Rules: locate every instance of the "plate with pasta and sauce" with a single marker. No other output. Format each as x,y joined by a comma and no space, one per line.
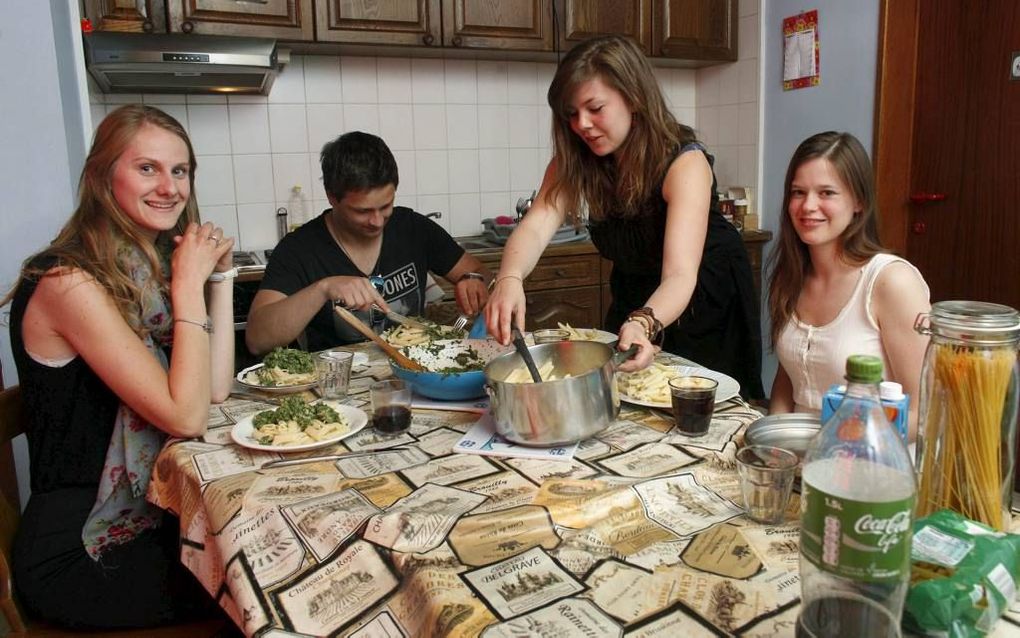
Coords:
282,371
296,426
650,387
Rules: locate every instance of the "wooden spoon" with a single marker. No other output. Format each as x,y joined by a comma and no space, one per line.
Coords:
402,360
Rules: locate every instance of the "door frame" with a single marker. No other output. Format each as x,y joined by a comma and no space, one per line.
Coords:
893,145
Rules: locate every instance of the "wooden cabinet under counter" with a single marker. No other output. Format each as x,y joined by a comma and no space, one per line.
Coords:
570,284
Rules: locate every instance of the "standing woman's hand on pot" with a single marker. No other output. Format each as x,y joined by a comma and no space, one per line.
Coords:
200,251
506,307
633,333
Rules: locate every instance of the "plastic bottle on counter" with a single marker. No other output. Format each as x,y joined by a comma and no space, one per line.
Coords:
296,207
857,503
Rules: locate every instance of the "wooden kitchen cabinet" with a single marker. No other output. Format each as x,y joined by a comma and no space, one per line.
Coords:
570,284
385,22
149,16
583,19
695,30
283,19
512,25
509,25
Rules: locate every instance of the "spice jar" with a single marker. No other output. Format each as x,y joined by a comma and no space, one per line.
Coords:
968,410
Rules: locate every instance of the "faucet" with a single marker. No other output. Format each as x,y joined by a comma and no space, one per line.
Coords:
524,203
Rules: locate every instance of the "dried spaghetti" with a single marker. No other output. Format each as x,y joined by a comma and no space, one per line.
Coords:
965,439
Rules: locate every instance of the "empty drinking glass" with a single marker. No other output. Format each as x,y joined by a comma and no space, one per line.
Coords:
334,371
766,479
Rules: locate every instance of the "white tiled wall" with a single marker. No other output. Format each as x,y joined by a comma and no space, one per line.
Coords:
727,106
470,137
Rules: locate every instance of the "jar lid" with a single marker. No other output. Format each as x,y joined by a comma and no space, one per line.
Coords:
977,321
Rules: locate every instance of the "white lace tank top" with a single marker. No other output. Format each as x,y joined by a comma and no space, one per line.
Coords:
814,357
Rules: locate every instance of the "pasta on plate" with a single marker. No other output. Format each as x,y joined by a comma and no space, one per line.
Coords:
283,367
296,422
650,384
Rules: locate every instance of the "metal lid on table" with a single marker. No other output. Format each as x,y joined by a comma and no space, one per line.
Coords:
792,432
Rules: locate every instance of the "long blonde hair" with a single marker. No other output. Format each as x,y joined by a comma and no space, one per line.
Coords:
651,144
98,229
790,260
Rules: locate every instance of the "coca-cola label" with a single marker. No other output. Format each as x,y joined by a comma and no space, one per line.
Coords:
862,541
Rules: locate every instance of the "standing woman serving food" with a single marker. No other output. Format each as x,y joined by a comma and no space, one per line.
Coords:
680,271
122,333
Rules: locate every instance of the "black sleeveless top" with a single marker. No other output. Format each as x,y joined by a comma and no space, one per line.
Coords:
720,328
70,410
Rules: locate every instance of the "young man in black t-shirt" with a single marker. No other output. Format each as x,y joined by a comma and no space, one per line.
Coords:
361,251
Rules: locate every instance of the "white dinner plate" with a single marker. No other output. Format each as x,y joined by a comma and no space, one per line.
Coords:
242,378
728,387
243,431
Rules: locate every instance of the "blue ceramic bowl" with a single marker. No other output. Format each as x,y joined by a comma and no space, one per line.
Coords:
447,386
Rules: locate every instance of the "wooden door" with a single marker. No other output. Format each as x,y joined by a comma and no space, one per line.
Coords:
387,22
516,25
583,19
148,16
284,19
948,144
695,29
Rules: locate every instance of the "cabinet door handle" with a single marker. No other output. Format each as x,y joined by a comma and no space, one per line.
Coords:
428,39
187,26
924,198
457,41
147,26
559,272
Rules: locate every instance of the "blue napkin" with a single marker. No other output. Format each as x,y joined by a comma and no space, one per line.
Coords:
478,329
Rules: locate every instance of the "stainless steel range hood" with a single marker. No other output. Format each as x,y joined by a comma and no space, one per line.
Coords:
176,63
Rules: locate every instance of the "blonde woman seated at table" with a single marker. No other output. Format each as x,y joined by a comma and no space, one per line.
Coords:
835,291
115,352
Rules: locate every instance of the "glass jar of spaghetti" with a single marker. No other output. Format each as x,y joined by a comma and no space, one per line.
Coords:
968,410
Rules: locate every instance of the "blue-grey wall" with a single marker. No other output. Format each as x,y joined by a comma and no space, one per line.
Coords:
844,100
45,118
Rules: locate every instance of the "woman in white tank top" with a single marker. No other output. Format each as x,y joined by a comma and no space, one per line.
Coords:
834,291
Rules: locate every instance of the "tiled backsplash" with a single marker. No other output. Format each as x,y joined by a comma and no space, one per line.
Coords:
470,137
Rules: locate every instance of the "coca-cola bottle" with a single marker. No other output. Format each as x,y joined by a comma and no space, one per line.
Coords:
857,503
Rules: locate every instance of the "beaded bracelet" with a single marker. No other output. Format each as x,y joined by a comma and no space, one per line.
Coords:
653,327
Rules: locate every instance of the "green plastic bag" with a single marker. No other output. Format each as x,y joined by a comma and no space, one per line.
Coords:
964,576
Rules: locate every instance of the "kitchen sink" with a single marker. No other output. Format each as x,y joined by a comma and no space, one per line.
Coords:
477,244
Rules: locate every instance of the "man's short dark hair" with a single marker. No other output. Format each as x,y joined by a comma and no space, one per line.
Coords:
357,161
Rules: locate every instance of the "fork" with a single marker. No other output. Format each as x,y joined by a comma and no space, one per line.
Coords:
461,322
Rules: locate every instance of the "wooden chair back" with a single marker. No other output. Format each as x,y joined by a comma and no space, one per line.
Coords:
12,423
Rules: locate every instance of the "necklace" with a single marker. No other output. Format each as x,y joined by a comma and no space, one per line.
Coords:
336,238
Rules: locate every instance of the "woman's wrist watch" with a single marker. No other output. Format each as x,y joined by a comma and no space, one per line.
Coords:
472,275
223,276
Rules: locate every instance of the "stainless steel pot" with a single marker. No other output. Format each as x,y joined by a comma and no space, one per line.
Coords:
556,412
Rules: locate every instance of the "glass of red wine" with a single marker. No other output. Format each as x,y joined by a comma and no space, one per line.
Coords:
391,406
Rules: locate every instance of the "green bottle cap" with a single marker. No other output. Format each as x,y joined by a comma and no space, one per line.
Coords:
863,368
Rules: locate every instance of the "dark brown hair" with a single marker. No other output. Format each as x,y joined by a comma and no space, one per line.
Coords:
790,261
91,239
651,144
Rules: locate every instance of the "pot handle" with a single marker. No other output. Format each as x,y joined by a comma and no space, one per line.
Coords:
493,404
620,357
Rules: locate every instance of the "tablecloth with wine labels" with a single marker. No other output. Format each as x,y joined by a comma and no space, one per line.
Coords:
640,534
